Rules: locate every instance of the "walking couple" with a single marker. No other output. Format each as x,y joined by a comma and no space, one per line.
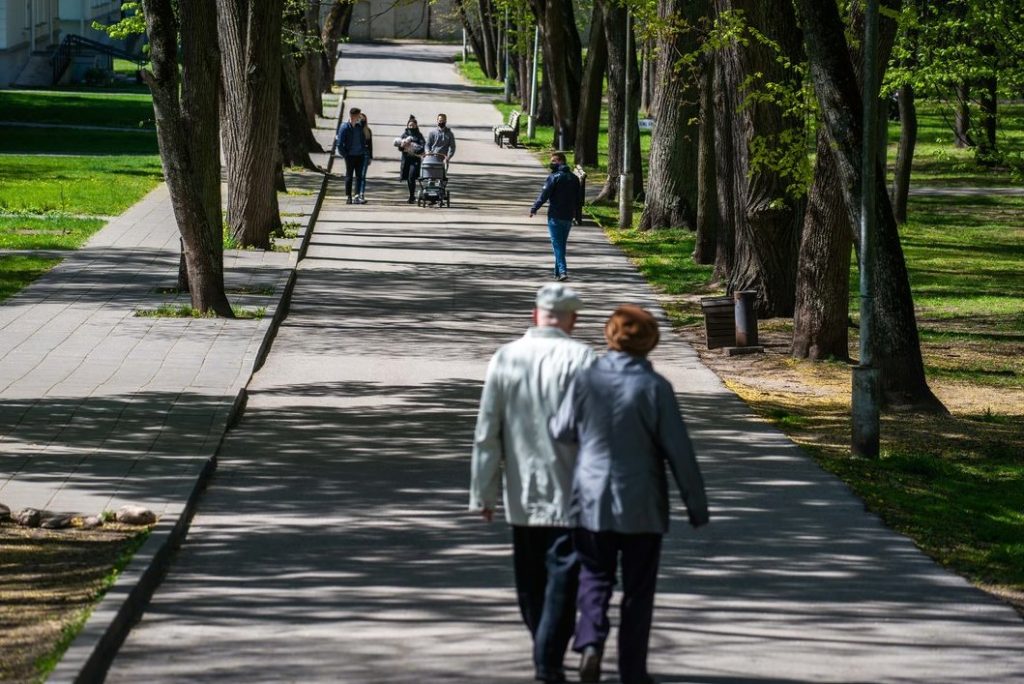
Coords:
583,443
354,144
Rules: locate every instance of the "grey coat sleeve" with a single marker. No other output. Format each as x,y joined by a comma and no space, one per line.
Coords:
675,444
562,425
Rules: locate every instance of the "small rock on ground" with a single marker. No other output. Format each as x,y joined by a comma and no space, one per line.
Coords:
57,521
5,513
92,522
135,515
29,517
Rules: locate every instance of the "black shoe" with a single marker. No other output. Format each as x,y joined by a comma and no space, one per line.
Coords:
411,200
590,664
552,676
348,201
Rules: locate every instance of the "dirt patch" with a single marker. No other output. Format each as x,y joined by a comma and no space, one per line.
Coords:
49,579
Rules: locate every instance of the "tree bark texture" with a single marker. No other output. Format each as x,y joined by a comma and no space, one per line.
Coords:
707,199
725,170
767,219
823,274
588,120
823,284
310,65
295,137
250,34
336,24
563,63
671,200
187,133
488,38
545,109
620,115
473,36
895,343
905,153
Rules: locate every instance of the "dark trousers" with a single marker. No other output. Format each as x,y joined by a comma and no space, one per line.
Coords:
599,553
413,171
546,583
353,167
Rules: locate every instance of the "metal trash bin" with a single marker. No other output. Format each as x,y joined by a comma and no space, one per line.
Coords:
746,318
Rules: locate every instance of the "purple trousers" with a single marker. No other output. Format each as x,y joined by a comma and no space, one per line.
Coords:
599,554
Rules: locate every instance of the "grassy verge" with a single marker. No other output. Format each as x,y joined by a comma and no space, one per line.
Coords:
48,232
17,271
116,110
44,608
101,186
75,141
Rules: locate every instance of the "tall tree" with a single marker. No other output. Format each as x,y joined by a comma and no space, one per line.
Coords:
186,114
300,45
621,115
563,63
671,200
705,247
895,341
767,216
250,35
725,169
588,121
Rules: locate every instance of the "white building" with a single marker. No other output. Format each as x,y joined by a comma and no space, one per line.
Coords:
412,19
31,30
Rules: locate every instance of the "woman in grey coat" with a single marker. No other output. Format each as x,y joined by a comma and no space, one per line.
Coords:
626,421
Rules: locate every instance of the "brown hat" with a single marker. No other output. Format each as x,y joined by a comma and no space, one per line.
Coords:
632,330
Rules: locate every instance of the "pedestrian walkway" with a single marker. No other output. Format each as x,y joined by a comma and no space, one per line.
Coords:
333,543
100,408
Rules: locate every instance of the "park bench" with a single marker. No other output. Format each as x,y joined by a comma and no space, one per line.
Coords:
509,131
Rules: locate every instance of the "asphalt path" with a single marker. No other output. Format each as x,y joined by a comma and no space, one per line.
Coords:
333,543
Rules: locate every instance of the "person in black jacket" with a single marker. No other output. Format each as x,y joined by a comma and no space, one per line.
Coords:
351,146
410,161
562,193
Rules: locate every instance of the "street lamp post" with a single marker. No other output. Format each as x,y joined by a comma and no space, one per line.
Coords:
531,126
626,178
865,400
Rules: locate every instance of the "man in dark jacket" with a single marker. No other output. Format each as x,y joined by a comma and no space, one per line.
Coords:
351,146
562,193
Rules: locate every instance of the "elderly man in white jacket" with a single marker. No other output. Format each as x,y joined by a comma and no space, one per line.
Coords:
526,381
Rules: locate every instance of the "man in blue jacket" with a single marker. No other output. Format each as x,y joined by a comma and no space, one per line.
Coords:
562,193
351,146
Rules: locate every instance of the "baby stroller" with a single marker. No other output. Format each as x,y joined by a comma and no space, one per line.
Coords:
433,182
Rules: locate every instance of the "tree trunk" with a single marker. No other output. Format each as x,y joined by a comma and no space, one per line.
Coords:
309,66
187,134
250,34
767,219
620,116
648,74
588,121
707,200
962,120
336,24
672,199
823,287
472,34
563,64
295,137
725,171
895,342
987,102
905,154
823,274
487,35
545,110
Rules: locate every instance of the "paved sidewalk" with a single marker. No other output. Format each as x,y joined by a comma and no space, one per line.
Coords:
333,546
98,407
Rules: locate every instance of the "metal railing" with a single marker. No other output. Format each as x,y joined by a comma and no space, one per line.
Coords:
75,44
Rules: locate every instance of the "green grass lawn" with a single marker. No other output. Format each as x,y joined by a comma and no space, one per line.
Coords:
102,186
117,110
50,232
75,141
17,271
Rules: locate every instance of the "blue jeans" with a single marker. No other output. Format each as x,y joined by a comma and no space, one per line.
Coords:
559,231
546,583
